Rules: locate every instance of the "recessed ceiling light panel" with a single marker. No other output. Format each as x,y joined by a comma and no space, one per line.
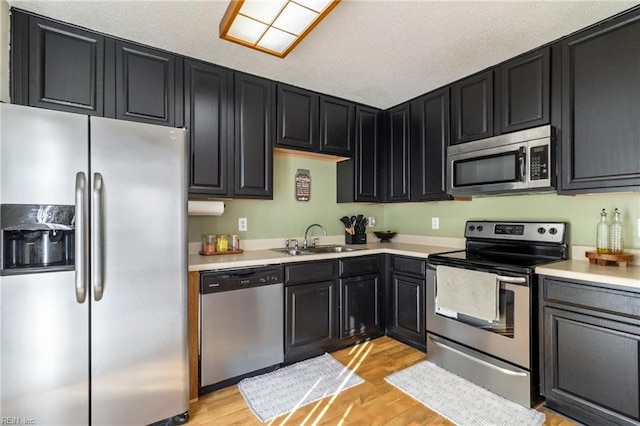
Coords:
294,18
263,10
317,5
276,40
272,26
247,29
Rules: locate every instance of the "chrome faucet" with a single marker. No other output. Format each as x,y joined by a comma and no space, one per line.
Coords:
304,242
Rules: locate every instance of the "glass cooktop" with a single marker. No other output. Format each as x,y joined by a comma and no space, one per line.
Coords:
518,263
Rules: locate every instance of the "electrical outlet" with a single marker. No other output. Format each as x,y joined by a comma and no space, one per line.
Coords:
435,223
638,228
242,224
371,221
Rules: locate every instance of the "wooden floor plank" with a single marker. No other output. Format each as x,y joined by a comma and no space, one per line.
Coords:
374,402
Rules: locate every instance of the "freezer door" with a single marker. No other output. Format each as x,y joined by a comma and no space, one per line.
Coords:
44,336
40,153
139,371
44,341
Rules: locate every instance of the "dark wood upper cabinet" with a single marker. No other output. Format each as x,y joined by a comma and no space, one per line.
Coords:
56,66
336,126
359,179
145,84
600,108
297,112
398,132
429,140
472,108
206,119
525,87
254,105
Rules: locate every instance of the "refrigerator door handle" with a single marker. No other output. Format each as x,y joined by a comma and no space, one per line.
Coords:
97,245
82,260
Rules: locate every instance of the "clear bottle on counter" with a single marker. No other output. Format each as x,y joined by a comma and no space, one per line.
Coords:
616,234
602,234
208,244
222,243
234,242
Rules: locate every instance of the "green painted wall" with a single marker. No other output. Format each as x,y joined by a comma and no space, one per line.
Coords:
285,217
582,213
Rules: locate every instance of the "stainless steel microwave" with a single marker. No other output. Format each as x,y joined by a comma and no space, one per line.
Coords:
505,164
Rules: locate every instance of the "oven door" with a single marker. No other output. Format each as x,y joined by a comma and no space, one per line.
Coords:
507,338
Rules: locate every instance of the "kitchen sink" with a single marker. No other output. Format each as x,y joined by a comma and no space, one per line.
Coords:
315,250
292,252
331,249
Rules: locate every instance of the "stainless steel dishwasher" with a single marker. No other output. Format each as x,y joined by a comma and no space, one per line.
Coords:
241,324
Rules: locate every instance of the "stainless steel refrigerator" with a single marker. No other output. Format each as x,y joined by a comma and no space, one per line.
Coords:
93,322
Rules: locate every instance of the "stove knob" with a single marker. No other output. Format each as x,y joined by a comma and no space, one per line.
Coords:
472,228
479,228
541,230
553,231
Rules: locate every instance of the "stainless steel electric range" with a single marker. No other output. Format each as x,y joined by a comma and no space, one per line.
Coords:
482,306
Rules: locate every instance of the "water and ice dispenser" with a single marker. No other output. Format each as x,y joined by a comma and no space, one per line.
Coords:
37,238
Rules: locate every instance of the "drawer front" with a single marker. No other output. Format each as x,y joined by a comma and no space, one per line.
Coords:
408,265
359,266
309,272
593,296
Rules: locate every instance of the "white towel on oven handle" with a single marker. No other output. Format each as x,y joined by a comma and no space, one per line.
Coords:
472,293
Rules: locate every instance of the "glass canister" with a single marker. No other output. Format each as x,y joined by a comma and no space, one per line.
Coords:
234,242
222,243
616,234
208,244
602,234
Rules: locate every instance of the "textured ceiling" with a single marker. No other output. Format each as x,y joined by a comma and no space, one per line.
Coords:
380,53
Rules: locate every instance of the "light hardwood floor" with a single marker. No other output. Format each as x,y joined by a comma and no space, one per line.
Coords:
374,402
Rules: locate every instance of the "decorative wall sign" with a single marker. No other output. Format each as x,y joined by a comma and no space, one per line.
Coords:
303,185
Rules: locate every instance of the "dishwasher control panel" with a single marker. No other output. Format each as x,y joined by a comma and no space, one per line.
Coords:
237,279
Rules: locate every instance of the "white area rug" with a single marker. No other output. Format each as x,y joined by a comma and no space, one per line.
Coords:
282,391
462,402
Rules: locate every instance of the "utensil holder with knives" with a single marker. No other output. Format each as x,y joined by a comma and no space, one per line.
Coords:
355,229
355,239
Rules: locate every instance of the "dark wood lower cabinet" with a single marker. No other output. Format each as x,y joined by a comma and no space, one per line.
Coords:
359,306
407,313
591,345
310,314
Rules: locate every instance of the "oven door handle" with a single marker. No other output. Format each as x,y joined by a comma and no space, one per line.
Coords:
503,370
512,280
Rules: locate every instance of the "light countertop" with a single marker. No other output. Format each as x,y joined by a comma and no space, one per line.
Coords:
571,269
268,257
583,270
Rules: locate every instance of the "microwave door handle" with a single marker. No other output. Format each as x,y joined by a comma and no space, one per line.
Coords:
522,164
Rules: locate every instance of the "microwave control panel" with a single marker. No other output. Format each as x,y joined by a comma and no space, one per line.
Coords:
539,162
